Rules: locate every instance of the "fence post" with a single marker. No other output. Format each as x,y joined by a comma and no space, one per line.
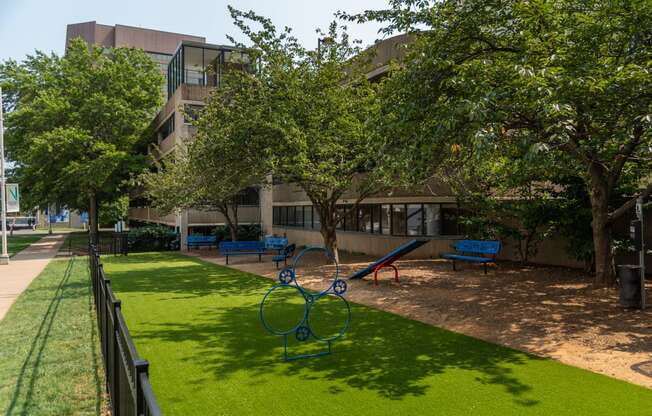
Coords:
115,309
140,367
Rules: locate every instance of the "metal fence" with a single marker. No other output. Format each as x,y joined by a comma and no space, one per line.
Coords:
127,379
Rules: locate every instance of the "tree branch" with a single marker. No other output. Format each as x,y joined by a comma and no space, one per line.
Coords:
627,206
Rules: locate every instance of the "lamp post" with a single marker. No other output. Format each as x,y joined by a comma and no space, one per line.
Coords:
4,257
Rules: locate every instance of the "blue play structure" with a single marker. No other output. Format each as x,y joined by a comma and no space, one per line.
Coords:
303,330
388,260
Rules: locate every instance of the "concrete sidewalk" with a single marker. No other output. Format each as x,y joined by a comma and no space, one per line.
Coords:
24,267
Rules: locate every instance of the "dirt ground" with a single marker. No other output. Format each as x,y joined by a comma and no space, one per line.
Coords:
550,312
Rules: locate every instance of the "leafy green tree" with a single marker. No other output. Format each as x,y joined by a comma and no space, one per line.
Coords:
567,77
76,123
314,109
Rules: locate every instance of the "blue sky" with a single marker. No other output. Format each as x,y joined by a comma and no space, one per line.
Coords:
26,25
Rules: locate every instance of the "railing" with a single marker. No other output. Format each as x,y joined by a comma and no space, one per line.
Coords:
127,379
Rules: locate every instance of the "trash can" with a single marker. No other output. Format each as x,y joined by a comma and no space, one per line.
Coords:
630,285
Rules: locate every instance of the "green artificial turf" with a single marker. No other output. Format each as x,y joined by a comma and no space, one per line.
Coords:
17,243
50,363
198,325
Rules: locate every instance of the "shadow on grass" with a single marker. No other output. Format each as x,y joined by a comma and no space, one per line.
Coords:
382,352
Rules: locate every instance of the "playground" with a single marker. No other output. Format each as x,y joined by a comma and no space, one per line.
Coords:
547,311
199,326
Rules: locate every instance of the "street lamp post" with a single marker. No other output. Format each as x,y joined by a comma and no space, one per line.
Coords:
4,257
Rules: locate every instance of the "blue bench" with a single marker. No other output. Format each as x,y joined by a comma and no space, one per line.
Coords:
286,252
241,248
474,251
201,241
276,243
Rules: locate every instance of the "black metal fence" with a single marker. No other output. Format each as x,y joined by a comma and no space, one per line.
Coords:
127,377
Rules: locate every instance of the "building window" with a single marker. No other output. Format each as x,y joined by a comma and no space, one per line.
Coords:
386,219
399,220
415,219
364,218
166,128
432,219
191,113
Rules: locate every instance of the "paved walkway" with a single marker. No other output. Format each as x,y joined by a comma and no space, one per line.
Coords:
24,267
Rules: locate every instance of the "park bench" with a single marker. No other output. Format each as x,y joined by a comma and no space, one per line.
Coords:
201,241
474,251
275,243
241,248
286,252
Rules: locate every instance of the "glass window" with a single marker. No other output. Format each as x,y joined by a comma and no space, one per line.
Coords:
350,223
166,128
299,217
386,219
364,218
284,216
399,220
432,219
292,216
236,60
307,216
415,219
449,224
340,215
276,215
375,219
193,65
212,59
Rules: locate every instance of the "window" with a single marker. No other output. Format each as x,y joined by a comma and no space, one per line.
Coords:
276,216
364,218
340,215
386,219
284,216
449,224
299,217
399,220
307,216
193,65
191,112
292,216
415,219
166,128
375,218
350,223
432,219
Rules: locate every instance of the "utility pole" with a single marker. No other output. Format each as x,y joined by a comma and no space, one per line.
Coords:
4,257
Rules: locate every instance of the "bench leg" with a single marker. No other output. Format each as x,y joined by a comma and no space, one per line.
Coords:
227,259
485,268
454,269
260,257
276,265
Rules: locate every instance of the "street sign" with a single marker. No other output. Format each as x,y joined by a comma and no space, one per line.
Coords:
13,198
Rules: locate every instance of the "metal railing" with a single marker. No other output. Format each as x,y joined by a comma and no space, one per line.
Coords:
127,380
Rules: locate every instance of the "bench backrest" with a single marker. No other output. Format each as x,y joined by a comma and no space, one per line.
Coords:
242,246
202,239
478,246
275,242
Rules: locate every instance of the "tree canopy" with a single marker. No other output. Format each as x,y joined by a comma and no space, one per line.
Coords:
567,78
76,123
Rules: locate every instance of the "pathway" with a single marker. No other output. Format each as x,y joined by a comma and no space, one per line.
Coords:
24,267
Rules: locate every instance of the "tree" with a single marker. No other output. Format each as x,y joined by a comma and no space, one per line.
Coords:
75,124
567,77
211,170
315,108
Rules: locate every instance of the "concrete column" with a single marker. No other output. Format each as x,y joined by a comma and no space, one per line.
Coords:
267,206
183,229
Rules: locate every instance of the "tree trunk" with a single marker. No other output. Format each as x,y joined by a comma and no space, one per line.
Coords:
93,218
602,238
329,234
231,221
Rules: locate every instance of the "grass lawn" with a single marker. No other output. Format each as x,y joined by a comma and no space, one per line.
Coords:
198,325
18,243
50,363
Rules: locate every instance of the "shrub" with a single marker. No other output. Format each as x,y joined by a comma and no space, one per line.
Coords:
152,238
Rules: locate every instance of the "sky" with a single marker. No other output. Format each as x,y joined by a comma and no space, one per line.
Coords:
28,25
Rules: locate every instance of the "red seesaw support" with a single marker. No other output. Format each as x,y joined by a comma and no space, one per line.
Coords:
381,266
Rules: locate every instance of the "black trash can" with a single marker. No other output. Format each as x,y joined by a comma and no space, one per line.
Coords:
630,285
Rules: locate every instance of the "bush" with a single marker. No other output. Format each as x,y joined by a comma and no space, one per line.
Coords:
246,232
152,238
